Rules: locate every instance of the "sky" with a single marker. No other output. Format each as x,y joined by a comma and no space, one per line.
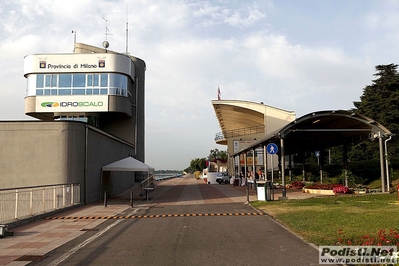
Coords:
302,56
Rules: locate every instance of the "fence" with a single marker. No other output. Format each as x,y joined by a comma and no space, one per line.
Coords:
29,201
239,132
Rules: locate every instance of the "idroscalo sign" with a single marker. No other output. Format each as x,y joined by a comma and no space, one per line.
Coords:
92,103
358,255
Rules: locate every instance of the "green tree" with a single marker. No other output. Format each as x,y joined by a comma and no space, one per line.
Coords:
197,164
217,154
380,101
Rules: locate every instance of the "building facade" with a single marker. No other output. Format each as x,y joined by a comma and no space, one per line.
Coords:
242,124
100,87
90,104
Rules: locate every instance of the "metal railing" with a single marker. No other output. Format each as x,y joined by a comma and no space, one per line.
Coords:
149,182
30,201
239,132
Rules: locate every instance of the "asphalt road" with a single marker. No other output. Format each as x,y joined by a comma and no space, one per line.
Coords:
231,233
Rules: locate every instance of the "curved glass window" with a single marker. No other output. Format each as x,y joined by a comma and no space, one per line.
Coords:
79,80
78,84
65,80
48,80
104,80
54,80
64,92
118,81
40,81
78,91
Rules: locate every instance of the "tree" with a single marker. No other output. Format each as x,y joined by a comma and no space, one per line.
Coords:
197,164
217,155
380,101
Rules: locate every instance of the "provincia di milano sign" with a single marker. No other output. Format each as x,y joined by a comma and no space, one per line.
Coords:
79,63
43,64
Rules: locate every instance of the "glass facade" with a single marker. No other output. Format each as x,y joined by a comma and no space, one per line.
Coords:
92,120
78,84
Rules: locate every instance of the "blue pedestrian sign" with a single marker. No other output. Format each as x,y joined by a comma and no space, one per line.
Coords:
271,148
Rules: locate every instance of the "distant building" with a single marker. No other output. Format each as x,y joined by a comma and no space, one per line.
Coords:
91,110
242,124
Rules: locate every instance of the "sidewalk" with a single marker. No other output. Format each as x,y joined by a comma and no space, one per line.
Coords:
31,242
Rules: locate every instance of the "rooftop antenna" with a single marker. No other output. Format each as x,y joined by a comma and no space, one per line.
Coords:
127,28
74,40
106,43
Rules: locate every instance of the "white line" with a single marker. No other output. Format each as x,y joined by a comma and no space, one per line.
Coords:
84,243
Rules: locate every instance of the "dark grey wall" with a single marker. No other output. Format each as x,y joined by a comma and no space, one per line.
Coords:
34,153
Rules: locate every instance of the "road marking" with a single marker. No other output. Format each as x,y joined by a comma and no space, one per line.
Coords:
84,243
87,241
116,217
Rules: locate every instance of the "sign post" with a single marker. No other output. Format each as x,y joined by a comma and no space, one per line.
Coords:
272,149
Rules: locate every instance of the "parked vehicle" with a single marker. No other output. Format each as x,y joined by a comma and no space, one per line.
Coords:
223,178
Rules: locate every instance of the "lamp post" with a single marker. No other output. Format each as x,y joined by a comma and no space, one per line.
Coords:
386,161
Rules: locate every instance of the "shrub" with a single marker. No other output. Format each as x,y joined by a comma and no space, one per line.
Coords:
382,238
323,186
297,184
341,189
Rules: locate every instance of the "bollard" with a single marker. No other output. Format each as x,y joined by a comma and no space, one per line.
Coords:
131,199
105,198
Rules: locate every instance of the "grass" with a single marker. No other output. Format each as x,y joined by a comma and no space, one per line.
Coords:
318,220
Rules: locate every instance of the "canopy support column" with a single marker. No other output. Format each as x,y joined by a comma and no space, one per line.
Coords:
381,162
284,192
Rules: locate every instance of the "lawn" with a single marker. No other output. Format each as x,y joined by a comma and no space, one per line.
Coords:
320,220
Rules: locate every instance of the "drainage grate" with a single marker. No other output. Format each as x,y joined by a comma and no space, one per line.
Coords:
31,258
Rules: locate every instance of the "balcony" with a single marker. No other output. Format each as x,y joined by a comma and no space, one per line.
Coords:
221,137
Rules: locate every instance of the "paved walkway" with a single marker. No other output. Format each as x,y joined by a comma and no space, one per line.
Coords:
31,242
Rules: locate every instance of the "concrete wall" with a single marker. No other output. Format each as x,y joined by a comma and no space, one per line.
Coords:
34,153
103,150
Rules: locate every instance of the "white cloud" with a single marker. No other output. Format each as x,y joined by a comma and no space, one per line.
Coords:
191,47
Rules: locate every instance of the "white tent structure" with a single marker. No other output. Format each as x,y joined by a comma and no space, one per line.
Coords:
128,164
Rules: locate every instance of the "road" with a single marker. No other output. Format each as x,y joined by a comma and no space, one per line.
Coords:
189,223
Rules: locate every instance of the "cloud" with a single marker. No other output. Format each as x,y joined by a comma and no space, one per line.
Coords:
212,15
254,50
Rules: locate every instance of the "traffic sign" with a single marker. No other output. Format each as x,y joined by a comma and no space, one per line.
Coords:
317,153
271,148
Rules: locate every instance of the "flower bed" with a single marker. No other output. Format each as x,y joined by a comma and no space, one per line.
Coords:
382,238
318,191
327,189
297,185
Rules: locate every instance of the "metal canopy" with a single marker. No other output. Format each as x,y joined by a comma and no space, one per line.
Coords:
233,114
323,129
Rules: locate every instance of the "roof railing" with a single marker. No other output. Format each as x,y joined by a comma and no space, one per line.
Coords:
239,132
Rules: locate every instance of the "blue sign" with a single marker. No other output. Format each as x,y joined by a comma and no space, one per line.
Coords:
317,153
271,148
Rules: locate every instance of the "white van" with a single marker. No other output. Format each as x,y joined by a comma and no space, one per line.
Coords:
223,178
